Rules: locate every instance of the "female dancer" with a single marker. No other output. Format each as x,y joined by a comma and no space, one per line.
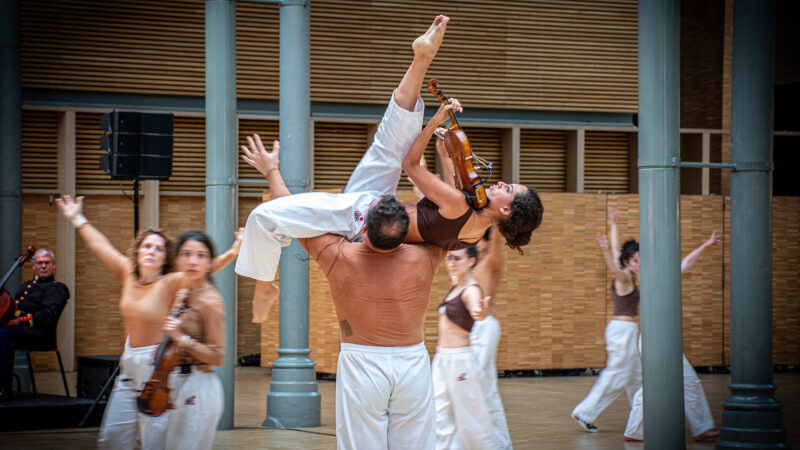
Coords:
485,335
462,417
200,336
698,414
148,293
623,366
444,219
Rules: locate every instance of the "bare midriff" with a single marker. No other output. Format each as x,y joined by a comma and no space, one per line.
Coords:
626,318
451,335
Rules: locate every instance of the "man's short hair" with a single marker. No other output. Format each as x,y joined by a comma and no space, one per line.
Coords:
45,251
387,223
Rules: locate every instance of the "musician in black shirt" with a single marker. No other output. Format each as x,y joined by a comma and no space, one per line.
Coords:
39,304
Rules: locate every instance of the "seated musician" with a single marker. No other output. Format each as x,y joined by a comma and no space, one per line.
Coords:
39,304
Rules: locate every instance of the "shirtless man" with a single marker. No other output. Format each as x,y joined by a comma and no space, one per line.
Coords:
384,388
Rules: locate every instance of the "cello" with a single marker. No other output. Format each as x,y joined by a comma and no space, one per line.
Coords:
153,400
8,307
460,151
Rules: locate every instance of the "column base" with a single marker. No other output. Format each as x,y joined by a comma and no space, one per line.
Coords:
293,410
752,418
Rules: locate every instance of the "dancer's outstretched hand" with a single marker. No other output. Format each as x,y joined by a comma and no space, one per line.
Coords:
713,240
237,239
72,210
602,241
483,308
257,156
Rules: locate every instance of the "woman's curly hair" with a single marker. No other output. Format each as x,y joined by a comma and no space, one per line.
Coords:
526,216
169,246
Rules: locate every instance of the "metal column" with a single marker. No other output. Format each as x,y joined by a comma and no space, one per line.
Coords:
11,141
751,417
221,158
293,400
659,224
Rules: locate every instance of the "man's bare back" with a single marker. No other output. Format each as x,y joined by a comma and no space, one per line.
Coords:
380,297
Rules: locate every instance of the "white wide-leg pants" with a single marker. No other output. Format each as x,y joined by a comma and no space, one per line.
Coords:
384,398
123,425
484,340
273,224
695,405
462,416
623,371
199,401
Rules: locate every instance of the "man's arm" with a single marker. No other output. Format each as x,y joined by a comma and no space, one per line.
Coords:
54,298
268,163
319,248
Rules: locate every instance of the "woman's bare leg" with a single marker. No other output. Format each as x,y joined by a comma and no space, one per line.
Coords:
425,48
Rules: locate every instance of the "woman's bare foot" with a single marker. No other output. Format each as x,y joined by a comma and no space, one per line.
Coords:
264,296
428,44
707,435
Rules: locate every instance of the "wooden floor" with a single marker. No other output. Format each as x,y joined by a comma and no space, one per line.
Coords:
537,410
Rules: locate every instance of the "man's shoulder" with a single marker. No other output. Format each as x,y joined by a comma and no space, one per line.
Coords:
423,248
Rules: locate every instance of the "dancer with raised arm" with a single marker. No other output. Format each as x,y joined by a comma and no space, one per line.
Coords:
696,409
485,335
148,294
443,218
623,369
462,415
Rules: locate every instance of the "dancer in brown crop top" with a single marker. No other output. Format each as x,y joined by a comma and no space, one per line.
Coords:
462,412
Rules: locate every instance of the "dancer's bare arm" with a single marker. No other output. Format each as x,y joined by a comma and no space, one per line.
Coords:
448,171
267,163
476,303
72,210
226,258
692,257
611,262
614,236
495,259
449,199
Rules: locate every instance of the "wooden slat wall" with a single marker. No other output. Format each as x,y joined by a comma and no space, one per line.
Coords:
487,143
554,301
39,149
338,147
555,55
607,161
268,130
188,156
543,160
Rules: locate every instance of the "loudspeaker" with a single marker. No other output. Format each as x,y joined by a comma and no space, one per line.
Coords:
93,372
137,145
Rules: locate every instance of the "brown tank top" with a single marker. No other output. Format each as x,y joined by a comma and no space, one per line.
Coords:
627,305
438,230
455,310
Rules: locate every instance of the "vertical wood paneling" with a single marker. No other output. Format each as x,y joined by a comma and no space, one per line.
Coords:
607,161
338,147
39,149
268,130
188,156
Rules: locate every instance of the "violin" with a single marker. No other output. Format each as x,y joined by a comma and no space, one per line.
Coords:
154,398
8,307
460,151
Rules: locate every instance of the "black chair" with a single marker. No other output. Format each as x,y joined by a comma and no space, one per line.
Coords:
45,348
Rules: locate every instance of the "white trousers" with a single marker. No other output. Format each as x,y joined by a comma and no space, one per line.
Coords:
124,427
384,398
484,340
462,416
199,401
272,225
695,405
623,371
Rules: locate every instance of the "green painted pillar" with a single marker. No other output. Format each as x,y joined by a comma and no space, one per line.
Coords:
659,222
751,417
293,400
10,140
221,174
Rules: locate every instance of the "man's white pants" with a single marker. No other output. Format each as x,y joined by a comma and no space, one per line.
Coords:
384,398
484,340
272,225
462,416
623,371
695,405
199,401
123,425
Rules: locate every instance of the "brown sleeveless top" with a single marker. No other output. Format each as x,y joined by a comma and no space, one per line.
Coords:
456,311
438,230
627,305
